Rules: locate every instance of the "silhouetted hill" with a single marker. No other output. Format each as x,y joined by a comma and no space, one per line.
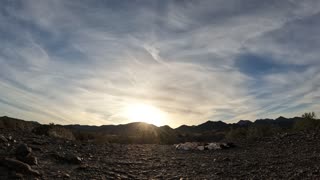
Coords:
205,127
139,132
136,132
244,123
280,121
19,124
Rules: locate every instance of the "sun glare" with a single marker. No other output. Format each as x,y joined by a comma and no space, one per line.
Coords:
145,113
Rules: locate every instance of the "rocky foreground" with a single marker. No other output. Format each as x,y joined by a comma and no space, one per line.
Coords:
28,156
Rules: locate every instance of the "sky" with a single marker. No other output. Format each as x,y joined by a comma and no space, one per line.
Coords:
84,61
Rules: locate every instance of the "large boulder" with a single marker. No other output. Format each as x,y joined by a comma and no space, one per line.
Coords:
23,150
24,154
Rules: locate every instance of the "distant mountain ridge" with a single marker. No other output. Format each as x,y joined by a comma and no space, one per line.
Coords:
144,132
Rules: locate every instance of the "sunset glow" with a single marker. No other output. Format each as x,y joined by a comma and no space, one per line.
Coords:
145,113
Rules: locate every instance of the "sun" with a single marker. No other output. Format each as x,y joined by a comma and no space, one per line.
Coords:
145,113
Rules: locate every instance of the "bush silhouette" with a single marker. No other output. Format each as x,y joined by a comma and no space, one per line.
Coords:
258,131
308,122
237,133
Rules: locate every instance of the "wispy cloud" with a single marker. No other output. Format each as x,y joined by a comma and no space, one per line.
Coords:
83,61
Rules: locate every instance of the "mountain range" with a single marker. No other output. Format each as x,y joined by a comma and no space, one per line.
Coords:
139,132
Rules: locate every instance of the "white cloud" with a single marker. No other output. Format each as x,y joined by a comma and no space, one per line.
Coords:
73,62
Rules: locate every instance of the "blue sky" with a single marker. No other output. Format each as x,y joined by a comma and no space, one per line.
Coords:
83,61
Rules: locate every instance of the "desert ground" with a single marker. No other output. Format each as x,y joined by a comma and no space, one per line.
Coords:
284,156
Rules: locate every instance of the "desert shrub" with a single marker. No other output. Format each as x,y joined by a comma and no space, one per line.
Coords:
55,131
307,122
259,131
253,132
2,126
84,136
237,133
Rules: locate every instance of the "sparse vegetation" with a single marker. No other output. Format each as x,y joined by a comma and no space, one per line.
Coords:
56,131
308,122
252,132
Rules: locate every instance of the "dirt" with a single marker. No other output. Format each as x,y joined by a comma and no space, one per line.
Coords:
285,156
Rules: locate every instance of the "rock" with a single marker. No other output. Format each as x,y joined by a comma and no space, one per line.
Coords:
68,158
24,154
226,159
23,150
35,148
213,146
74,159
4,171
187,146
66,175
30,159
3,139
17,176
201,148
18,166
227,145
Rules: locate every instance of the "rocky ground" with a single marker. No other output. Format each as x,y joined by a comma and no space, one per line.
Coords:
27,156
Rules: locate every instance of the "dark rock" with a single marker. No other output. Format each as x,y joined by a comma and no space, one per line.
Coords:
3,171
16,175
66,175
73,158
18,166
227,145
35,147
23,150
3,139
30,159
68,158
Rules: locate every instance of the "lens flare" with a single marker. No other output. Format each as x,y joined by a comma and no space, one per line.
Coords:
145,113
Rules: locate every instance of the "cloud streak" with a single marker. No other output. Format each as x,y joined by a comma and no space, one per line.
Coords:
84,61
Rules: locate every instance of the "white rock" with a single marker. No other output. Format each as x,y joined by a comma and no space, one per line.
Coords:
201,148
213,146
187,146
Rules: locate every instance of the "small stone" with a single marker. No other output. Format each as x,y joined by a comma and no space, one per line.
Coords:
3,139
73,159
68,158
226,159
66,175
